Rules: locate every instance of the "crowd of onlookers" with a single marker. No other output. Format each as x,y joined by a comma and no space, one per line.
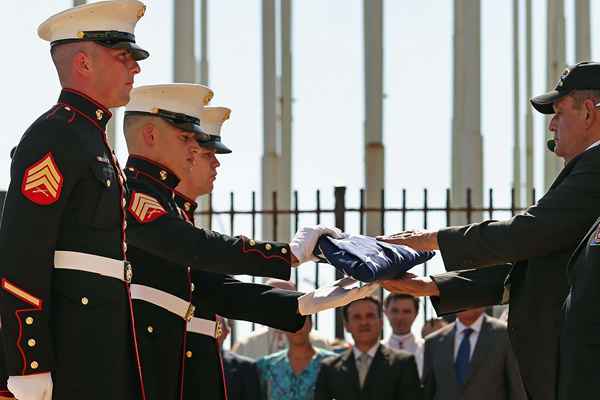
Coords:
467,358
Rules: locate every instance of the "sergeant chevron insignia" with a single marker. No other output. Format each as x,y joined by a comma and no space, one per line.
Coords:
43,181
145,208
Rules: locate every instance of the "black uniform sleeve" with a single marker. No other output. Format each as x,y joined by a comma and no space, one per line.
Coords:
238,300
44,172
174,239
471,288
555,224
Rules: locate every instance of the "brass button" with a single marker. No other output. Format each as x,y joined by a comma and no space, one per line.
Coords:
34,365
150,329
192,287
99,114
252,242
284,251
163,175
267,246
68,108
187,206
188,354
31,343
29,320
108,182
84,301
131,169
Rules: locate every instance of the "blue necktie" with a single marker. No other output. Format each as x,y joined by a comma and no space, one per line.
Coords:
463,357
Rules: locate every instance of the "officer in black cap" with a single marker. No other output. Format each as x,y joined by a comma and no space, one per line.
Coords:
66,319
163,128
536,246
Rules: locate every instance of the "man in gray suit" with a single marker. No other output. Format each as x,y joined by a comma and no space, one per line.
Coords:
471,359
537,243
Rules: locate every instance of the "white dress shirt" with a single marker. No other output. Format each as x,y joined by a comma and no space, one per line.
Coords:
459,334
409,343
593,145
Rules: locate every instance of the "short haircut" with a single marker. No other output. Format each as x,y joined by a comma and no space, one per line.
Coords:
579,96
372,299
401,296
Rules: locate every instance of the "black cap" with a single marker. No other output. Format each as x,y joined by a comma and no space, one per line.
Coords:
112,40
583,76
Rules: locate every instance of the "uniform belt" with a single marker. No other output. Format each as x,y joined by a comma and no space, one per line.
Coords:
169,302
104,266
205,327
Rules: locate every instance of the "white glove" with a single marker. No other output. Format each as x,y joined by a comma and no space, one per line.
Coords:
31,387
338,294
304,241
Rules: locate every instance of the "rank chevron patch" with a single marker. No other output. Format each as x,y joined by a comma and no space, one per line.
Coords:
42,182
145,208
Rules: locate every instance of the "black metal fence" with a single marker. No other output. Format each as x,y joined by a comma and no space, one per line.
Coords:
343,213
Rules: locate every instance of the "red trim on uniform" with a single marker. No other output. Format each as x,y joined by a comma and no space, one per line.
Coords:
263,255
53,111
157,164
222,370
75,109
147,175
72,117
47,182
183,350
20,336
77,92
135,344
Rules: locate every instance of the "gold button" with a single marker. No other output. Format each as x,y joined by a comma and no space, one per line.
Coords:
268,246
284,251
84,301
108,183
31,343
150,329
29,320
68,108
163,174
188,354
252,242
131,169
99,114
192,287
34,365
187,206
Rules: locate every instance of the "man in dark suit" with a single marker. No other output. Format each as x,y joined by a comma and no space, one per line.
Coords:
537,242
471,359
580,336
369,370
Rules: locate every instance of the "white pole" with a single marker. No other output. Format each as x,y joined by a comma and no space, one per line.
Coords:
516,107
374,147
270,159
467,151
184,59
556,63
529,165
582,30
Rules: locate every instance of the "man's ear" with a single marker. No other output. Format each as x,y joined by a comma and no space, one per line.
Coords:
590,112
82,63
149,134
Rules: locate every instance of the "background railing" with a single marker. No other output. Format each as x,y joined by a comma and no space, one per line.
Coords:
343,214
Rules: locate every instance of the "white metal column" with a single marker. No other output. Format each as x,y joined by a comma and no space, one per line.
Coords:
555,51
271,156
285,101
516,107
467,152
184,59
374,147
582,30
203,75
529,145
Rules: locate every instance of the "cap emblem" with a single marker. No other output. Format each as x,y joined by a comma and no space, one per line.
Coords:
563,76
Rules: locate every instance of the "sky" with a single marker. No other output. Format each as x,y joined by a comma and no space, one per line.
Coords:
328,90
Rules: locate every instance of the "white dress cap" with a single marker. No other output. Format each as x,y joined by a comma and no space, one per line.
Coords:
211,122
180,104
109,23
